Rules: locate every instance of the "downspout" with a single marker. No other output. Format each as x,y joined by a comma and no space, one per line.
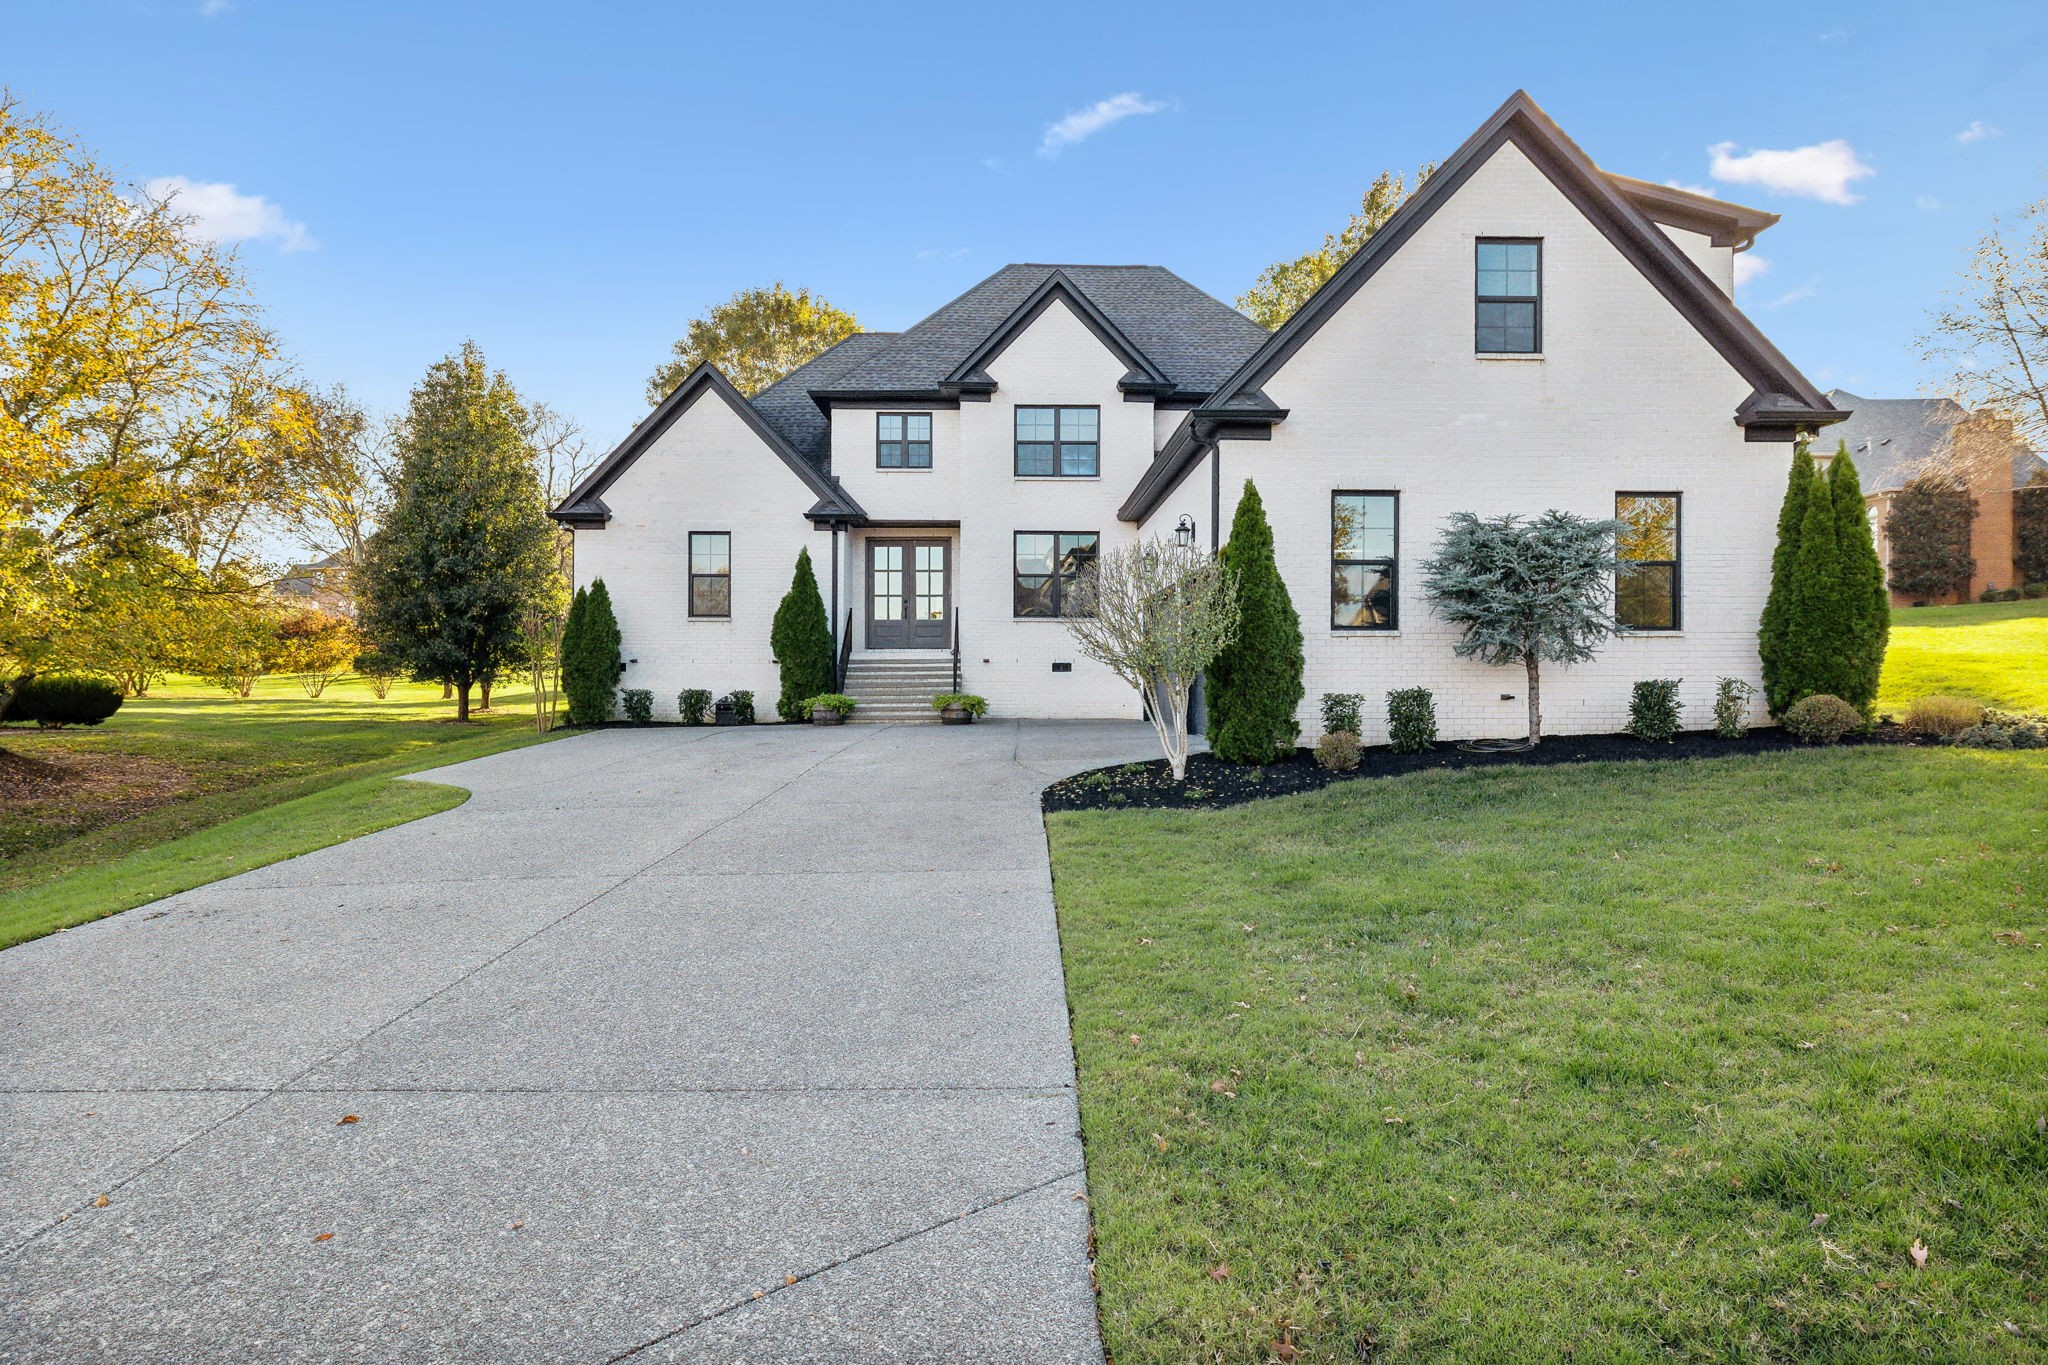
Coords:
835,592
1198,696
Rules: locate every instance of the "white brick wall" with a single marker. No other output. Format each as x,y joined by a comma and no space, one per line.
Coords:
1389,395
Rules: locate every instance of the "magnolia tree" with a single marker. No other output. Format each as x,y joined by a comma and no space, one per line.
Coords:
1526,591
1157,614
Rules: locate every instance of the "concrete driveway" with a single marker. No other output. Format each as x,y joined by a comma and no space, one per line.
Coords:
669,1045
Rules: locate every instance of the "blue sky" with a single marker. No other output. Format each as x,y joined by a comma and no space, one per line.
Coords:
570,183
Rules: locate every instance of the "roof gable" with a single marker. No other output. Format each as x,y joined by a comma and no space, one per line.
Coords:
584,508
971,376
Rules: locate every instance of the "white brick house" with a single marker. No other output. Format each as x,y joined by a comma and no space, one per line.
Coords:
1528,332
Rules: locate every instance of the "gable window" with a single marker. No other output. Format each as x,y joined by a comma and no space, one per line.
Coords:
903,440
1048,563
1510,296
711,573
1365,540
1646,597
1058,443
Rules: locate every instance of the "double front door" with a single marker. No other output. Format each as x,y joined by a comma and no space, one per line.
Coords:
909,594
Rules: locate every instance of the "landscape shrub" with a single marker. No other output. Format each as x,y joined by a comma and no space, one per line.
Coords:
1731,707
801,641
1341,712
742,705
1411,720
315,646
1928,528
1985,737
1255,683
1338,751
590,656
379,670
1943,716
2034,590
693,704
1821,719
1990,594
966,701
54,700
2006,730
827,701
638,704
1653,709
1828,618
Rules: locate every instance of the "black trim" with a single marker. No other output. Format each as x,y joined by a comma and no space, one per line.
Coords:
1392,565
970,376
904,441
1480,300
1676,563
1053,580
1058,442
691,604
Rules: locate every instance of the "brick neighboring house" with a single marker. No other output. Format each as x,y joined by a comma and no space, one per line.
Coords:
1527,332
1894,440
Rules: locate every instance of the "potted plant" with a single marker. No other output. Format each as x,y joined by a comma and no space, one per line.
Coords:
830,708
959,708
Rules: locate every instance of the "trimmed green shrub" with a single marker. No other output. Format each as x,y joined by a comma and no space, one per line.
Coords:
1255,683
1411,720
742,705
2015,730
829,701
1821,719
1653,709
379,670
801,640
1864,600
2034,590
966,701
1338,751
54,700
1985,737
638,704
1778,639
590,656
1731,707
1341,712
1945,717
693,704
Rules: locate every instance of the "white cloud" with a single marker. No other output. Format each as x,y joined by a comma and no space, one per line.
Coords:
1804,291
1926,203
220,213
1749,268
1083,124
1835,35
932,253
1823,171
1689,189
1978,131
213,9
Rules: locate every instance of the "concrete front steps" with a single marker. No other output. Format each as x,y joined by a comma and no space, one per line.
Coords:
897,691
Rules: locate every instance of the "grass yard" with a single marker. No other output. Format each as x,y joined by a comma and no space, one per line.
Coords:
189,785
1996,652
1645,1062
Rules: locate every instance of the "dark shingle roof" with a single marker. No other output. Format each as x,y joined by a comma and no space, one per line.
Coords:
1892,439
786,404
1195,340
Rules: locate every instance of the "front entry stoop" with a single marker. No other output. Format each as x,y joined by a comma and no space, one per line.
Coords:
897,691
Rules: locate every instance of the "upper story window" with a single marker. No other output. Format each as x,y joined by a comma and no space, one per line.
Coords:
711,573
1048,563
1365,539
1646,597
1510,296
1058,443
903,440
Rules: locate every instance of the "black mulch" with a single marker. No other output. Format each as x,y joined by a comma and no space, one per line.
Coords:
1212,784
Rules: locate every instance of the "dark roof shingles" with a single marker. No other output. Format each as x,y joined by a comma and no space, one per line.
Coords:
1892,439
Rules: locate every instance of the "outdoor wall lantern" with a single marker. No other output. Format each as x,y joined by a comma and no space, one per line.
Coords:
1184,531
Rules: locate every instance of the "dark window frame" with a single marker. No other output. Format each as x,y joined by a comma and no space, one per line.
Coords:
696,615
1676,563
1392,565
905,442
1480,300
1058,594
1058,443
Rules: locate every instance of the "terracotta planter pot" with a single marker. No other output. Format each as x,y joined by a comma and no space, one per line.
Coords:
825,716
955,715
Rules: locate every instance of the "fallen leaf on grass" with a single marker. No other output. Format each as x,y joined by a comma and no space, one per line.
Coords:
1160,1138
1219,1088
1220,1271
2011,938
1918,1251
1285,1349
1818,1220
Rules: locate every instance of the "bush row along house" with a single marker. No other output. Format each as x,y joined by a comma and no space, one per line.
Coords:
1527,332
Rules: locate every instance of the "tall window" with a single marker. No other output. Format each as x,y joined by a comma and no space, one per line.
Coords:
1048,563
1365,543
903,440
710,573
1058,442
1510,295
1646,597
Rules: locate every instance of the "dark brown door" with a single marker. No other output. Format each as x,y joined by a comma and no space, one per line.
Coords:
909,594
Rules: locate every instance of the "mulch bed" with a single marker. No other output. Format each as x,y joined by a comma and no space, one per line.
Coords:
1212,784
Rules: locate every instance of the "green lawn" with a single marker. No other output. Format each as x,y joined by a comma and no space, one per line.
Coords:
1996,652
189,785
1638,1062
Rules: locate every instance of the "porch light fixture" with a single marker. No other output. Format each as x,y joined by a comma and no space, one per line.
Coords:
1184,531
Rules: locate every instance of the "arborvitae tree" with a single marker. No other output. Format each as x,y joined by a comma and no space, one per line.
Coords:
801,639
466,544
1864,595
1822,608
1928,529
1777,641
590,656
1255,683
